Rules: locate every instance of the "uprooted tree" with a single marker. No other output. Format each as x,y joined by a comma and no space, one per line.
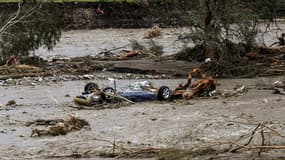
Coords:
220,24
223,30
24,27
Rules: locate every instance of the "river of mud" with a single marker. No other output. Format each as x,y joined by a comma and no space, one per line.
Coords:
157,124
90,42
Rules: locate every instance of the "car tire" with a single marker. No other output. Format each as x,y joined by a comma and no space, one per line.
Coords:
109,90
91,86
164,93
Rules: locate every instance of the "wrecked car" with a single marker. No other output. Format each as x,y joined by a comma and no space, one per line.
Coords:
145,91
134,92
203,87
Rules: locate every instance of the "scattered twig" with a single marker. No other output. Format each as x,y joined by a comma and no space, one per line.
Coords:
262,141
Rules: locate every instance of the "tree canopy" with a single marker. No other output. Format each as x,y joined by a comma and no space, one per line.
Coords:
27,27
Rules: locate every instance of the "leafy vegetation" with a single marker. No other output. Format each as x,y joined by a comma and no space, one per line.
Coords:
221,29
28,27
224,30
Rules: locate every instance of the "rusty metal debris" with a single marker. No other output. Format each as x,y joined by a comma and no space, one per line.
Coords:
203,87
58,127
27,67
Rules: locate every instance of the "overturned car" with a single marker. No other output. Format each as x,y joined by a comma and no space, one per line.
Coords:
134,92
145,91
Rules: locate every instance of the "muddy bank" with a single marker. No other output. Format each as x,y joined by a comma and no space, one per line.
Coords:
91,68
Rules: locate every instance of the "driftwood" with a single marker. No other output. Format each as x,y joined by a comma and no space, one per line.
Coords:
128,54
119,97
122,150
44,122
58,126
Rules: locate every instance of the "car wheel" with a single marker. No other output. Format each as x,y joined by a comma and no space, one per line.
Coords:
91,86
164,93
109,90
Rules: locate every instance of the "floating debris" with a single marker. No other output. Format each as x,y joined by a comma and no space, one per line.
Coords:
58,127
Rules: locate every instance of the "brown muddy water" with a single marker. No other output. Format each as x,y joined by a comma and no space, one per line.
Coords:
90,42
157,124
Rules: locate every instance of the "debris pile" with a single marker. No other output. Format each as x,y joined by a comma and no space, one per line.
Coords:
238,91
57,127
145,91
155,31
204,87
95,97
13,60
260,61
11,103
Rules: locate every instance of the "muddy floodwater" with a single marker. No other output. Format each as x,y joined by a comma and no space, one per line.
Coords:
91,42
159,124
